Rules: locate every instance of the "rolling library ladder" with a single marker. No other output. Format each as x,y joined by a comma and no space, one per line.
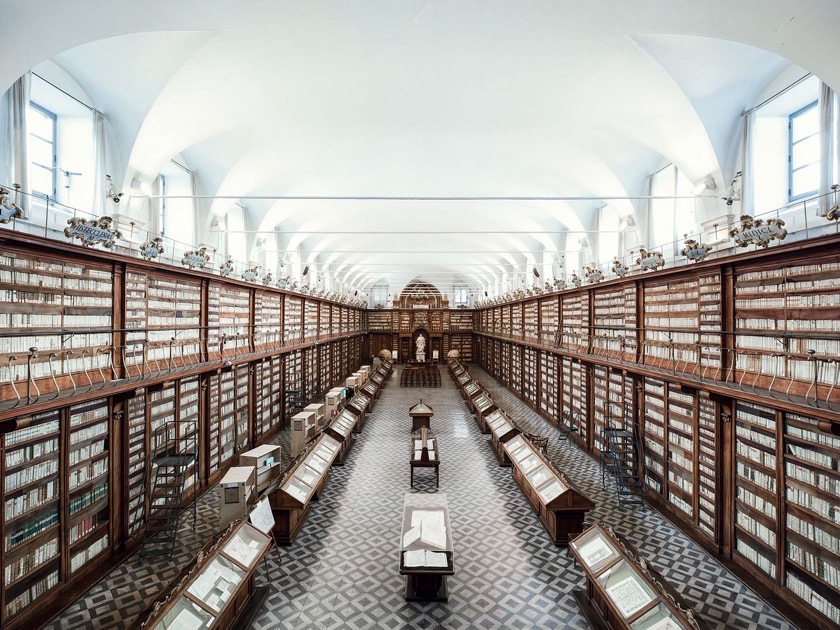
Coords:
621,458
172,468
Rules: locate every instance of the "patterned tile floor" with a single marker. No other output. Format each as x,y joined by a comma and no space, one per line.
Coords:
341,572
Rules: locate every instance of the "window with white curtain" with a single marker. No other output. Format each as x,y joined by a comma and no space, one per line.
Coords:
41,149
177,208
236,247
379,294
804,152
670,216
461,293
609,238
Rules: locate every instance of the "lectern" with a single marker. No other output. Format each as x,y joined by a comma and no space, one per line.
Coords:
421,415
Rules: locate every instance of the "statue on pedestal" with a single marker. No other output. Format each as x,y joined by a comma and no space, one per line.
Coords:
421,349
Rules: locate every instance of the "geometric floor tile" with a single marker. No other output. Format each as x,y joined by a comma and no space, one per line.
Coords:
342,570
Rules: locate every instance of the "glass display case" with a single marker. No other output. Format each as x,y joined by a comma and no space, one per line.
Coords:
341,428
426,553
217,590
624,590
483,406
560,507
306,477
502,429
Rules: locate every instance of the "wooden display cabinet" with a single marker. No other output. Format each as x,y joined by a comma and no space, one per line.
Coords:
217,590
303,482
483,406
470,390
342,428
623,590
502,429
371,390
561,507
378,379
358,405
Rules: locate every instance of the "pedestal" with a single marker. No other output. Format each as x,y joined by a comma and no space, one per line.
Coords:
421,357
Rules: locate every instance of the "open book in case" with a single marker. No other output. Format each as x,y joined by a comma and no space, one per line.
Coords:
624,590
560,506
304,479
426,552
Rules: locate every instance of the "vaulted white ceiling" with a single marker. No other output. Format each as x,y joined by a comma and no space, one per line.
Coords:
418,98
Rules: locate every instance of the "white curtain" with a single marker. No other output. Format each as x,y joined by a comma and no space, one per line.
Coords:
99,187
748,165
828,145
191,238
155,228
14,163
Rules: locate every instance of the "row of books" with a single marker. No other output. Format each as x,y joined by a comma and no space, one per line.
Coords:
24,565
31,499
80,559
31,594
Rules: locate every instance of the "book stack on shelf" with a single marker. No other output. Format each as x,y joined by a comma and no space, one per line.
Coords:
173,310
292,320
227,417
405,321
548,384
529,375
504,363
88,498
268,320
600,406
710,326
802,301
32,511
574,396
653,434
214,426
324,322
47,296
462,321
293,379
379,321
756,512
324,358
549,321
213,330
188,435
504,324
161,419
310,374
516,321
575,317
515,383
268,413
707,440
672,315
681,444
530,316
337,317
812,515
235,318
135,318
137,470
310,320
615,322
